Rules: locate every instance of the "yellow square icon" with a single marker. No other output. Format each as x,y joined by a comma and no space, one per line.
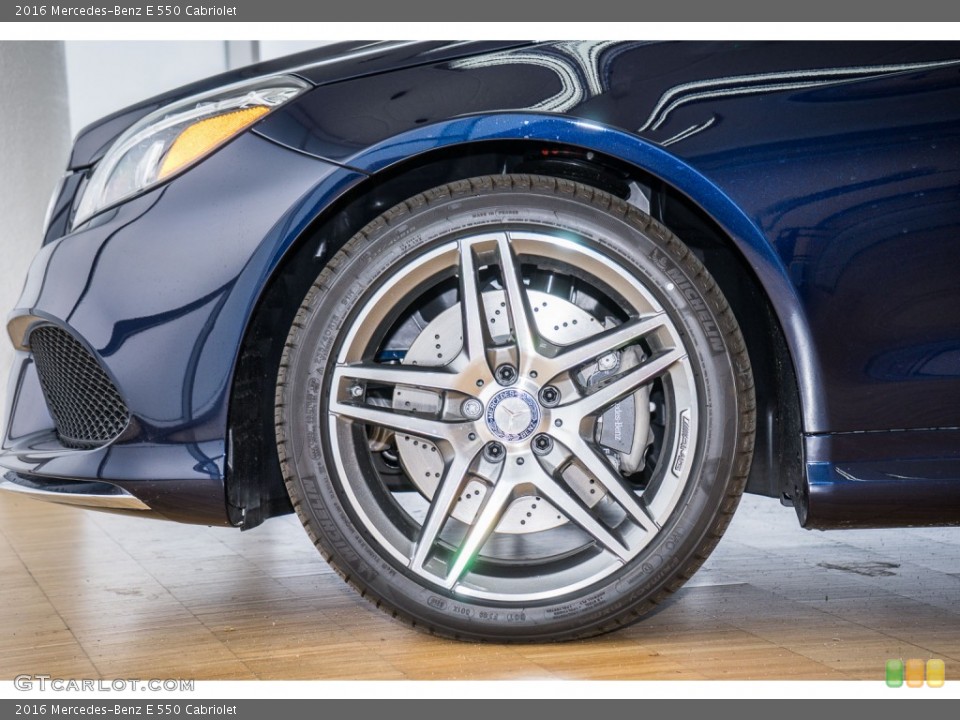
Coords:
936,673
914,672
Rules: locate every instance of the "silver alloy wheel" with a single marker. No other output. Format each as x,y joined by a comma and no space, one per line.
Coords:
463,526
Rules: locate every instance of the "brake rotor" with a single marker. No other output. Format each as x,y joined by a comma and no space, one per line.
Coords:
558,321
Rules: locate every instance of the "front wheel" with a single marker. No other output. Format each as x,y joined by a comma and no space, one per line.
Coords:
515,408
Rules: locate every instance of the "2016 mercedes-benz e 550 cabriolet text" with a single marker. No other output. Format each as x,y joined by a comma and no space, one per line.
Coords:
510,326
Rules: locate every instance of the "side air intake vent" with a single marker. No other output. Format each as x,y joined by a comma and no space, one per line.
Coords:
85,405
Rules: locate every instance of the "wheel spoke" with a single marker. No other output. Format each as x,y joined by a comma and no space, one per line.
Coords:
581,516
445,497
485,522
427,378
628,382
524,328
472,313
605,342
612,483
400,422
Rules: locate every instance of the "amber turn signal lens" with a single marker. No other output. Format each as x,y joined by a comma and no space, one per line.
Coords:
203,136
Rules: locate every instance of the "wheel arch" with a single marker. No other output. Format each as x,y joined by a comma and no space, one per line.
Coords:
729,244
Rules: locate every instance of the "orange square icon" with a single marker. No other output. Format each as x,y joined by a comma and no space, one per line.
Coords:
936,673
914,672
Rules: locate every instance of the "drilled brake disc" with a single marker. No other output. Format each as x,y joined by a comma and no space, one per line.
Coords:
558,321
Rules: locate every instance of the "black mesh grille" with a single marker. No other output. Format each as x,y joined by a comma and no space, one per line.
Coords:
85,405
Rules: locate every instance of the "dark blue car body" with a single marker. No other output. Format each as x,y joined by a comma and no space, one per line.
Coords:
820,183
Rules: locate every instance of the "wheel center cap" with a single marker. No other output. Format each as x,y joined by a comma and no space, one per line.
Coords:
513,415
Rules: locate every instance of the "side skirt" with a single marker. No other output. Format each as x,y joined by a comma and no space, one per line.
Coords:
881,479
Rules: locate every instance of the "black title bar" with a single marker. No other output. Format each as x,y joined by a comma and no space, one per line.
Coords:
444,11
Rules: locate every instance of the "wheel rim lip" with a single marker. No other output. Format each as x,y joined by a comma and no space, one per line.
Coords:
680,374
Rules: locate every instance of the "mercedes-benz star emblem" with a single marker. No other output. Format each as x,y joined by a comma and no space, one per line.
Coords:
513,415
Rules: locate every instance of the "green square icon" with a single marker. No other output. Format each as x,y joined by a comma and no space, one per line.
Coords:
894,673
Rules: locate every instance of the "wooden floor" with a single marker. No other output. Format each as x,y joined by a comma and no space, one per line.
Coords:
86,594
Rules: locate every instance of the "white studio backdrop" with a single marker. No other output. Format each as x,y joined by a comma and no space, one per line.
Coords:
34,142
52,90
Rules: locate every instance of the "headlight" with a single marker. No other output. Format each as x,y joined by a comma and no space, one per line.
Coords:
170,139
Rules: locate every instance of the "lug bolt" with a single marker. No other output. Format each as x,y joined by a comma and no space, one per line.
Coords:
542,444
549,396
506,374
471,408
494,452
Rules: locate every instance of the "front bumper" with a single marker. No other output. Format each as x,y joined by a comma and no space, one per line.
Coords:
159,290
101,496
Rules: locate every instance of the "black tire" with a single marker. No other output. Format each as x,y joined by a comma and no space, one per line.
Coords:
342,495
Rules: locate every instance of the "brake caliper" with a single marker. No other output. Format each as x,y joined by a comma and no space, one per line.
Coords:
623,431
